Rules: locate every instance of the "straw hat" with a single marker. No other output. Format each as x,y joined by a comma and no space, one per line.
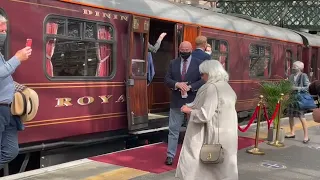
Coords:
25,104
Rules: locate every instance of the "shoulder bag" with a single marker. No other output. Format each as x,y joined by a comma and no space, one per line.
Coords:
212,153
304,99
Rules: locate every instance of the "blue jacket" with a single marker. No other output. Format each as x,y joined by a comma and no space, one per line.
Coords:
150,71
199,54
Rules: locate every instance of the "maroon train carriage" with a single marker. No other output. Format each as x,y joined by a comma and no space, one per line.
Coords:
89,67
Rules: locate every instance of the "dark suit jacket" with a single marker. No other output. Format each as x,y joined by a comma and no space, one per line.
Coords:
192,76
199,54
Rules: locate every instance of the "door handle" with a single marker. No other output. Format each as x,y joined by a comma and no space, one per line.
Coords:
130,82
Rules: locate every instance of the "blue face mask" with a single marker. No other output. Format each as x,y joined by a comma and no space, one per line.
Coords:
3,38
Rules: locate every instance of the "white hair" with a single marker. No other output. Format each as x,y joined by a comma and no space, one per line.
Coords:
214,69
2,19
299,65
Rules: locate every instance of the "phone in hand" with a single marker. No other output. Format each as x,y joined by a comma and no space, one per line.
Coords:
29,43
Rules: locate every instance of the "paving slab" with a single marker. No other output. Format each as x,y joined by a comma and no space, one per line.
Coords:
295,161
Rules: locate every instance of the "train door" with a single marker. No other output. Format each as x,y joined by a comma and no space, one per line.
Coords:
190,32
314,68
306,58
136,84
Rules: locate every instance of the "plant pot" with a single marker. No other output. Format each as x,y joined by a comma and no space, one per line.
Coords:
272,135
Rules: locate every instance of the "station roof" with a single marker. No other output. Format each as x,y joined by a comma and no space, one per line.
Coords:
188,14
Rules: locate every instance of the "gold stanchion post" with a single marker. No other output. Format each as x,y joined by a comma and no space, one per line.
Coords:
255,150
277,143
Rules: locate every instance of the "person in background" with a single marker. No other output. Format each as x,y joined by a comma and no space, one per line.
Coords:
184,79
199,52
8,123
209,49
314,90
214,107
153,49
300,82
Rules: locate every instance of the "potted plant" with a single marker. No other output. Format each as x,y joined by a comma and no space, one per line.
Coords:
272,92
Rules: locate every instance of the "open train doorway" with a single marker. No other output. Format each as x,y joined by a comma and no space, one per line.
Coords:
158,93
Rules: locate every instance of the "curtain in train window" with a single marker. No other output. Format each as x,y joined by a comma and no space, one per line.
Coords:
52,28
220,50
103,52
78,48
288,63
260,58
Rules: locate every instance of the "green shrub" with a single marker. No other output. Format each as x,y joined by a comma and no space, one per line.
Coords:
272,91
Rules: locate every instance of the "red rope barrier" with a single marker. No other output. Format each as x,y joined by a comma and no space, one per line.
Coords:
251,120
273,117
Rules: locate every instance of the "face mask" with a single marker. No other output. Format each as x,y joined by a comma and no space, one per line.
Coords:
185,55
2,39
208,52
295,71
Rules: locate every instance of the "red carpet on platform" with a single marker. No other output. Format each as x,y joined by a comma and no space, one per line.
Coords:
151,158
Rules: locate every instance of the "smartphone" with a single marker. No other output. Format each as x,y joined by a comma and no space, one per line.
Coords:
29,43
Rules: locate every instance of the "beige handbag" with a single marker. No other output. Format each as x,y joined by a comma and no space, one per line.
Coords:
212,153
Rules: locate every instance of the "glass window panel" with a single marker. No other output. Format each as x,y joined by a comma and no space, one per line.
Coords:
90,30
74,28
70,55
220,51
260,59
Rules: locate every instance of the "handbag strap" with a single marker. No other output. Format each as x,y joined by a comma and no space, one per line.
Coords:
206,125
300,80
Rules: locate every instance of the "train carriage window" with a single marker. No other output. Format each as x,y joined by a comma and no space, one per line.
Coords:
288,63
260,59
4,48
220,50
78,48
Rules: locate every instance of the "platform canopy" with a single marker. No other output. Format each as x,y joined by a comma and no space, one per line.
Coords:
298,14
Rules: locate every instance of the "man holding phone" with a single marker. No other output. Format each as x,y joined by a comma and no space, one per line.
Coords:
8,124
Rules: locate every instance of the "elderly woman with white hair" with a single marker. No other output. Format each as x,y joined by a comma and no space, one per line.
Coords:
300,82
212,116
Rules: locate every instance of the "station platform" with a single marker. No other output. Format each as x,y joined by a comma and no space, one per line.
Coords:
295,161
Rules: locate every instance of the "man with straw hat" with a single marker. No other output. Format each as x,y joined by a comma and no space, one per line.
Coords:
8,123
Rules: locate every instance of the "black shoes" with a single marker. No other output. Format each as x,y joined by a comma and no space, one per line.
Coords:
293,136
290,136
169,161
306,141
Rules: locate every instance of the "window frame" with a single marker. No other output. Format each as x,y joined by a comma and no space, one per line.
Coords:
292,61
270,62
112,42
220,53
6,45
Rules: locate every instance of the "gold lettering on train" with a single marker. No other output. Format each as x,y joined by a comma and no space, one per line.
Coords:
105,15
121,99
89,100
63,102
105,99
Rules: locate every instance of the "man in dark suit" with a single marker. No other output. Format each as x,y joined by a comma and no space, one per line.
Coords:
184,79
199,52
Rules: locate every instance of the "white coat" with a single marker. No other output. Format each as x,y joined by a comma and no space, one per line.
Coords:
204,112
